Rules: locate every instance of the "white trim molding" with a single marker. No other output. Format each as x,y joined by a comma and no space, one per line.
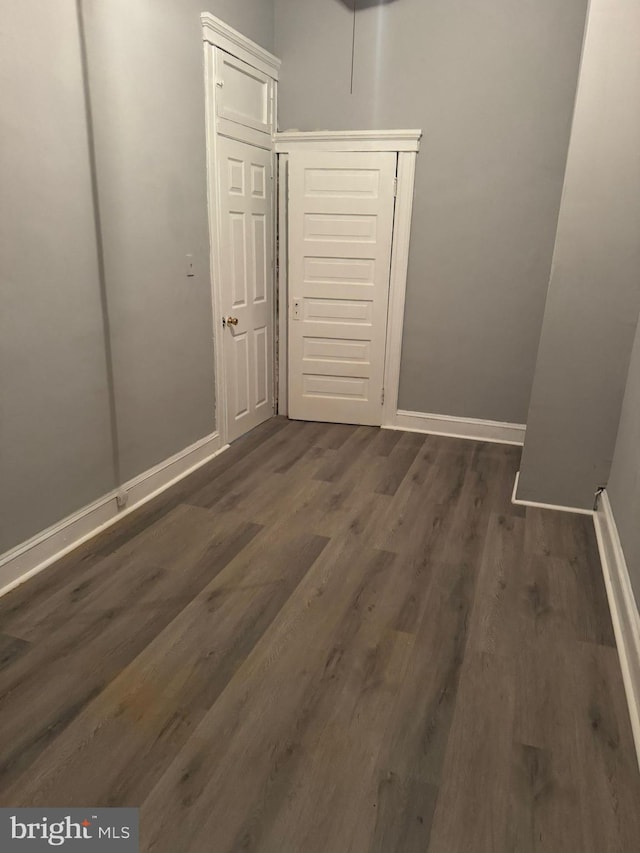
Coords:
219,34
455,427
622,603
282,266
405,183
31,557
214,239
558,507
348,140
623,607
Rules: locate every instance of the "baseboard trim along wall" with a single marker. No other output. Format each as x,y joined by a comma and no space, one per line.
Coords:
31,557
471,428
540,505
623,607
622,604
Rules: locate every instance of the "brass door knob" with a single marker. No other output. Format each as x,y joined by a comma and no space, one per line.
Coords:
232,321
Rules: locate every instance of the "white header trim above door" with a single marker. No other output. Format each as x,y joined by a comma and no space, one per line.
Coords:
350,140
221,35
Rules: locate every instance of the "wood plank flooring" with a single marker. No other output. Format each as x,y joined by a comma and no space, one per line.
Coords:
331,639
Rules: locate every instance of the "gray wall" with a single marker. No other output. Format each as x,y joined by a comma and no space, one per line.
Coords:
594,294
624,481
492,85
55,441
146,77
146,98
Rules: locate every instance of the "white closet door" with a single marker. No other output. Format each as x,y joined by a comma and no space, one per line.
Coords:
246,287
340,216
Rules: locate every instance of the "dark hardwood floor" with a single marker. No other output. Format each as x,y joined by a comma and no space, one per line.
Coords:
330,639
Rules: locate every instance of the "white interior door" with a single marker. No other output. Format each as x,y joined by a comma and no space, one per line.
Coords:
340,216
246,288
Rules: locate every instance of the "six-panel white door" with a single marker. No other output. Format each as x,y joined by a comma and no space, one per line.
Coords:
340,215
246,290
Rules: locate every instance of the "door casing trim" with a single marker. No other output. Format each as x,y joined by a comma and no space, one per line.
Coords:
348,140
219,34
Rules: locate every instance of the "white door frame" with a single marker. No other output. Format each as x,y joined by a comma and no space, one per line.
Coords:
406,144
216,33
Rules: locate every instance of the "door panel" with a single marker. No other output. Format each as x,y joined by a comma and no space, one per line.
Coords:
246,287
244,94
340,229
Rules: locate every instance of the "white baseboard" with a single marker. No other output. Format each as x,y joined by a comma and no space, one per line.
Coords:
31,557
540,505
622,604
624,610
454,427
